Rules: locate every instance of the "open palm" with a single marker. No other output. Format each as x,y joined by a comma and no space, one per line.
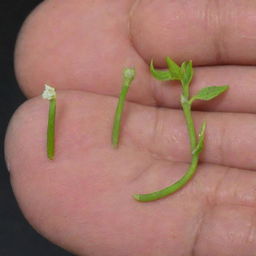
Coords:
82,200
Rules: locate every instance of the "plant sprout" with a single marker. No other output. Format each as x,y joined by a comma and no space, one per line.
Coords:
128,76
184,74
50,94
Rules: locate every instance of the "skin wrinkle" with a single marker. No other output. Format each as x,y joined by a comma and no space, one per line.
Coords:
141,172
252,230
219,37
250,238
201,223
130,14
155,88
214,24
214,198
209,204
222,145
158,127
130,34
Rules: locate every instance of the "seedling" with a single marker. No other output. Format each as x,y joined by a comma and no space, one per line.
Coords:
128,76
184,74
50,94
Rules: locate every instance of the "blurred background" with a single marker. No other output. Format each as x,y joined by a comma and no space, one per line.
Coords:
17,238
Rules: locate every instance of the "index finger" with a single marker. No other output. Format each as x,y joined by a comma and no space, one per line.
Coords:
208,32
88,49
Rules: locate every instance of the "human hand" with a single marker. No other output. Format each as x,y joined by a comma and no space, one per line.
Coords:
82,200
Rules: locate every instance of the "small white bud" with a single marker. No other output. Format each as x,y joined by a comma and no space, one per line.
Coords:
49,93
129,73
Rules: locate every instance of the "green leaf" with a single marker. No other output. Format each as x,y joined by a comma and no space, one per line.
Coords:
174,69
187,72
161,75
209,93
200,144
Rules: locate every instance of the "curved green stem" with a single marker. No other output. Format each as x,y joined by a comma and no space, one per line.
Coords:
184,73
186,106
192,168
172,188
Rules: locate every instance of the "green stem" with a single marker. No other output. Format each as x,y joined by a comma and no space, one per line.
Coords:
195,157
51,129
172,188
128,76
185,90
118,115
186,106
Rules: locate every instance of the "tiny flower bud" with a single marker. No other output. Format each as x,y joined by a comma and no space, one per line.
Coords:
49,93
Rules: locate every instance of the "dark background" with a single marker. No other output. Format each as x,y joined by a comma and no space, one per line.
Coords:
17,238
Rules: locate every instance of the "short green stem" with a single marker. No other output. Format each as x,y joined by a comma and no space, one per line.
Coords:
128,76
186,106
51,129
118,115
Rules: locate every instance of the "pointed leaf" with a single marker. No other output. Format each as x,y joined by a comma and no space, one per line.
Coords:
160,74
187,72
200,144
209,93
174,69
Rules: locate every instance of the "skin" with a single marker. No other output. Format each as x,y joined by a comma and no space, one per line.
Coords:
82,199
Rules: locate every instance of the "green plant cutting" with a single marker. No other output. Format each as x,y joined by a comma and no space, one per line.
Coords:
128,76
50,94
184,75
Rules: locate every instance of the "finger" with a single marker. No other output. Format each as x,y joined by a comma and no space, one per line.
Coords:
159,132
72,59
89,184
238,98
229,137
92,44
208,32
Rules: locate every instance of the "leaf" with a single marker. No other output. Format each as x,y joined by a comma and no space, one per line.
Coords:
200,144
209,93
174,69
160,74
187,72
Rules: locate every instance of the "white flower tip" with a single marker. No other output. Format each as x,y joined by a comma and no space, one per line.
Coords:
129,73
49,92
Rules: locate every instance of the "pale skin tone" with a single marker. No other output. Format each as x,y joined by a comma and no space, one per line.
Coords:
82,200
